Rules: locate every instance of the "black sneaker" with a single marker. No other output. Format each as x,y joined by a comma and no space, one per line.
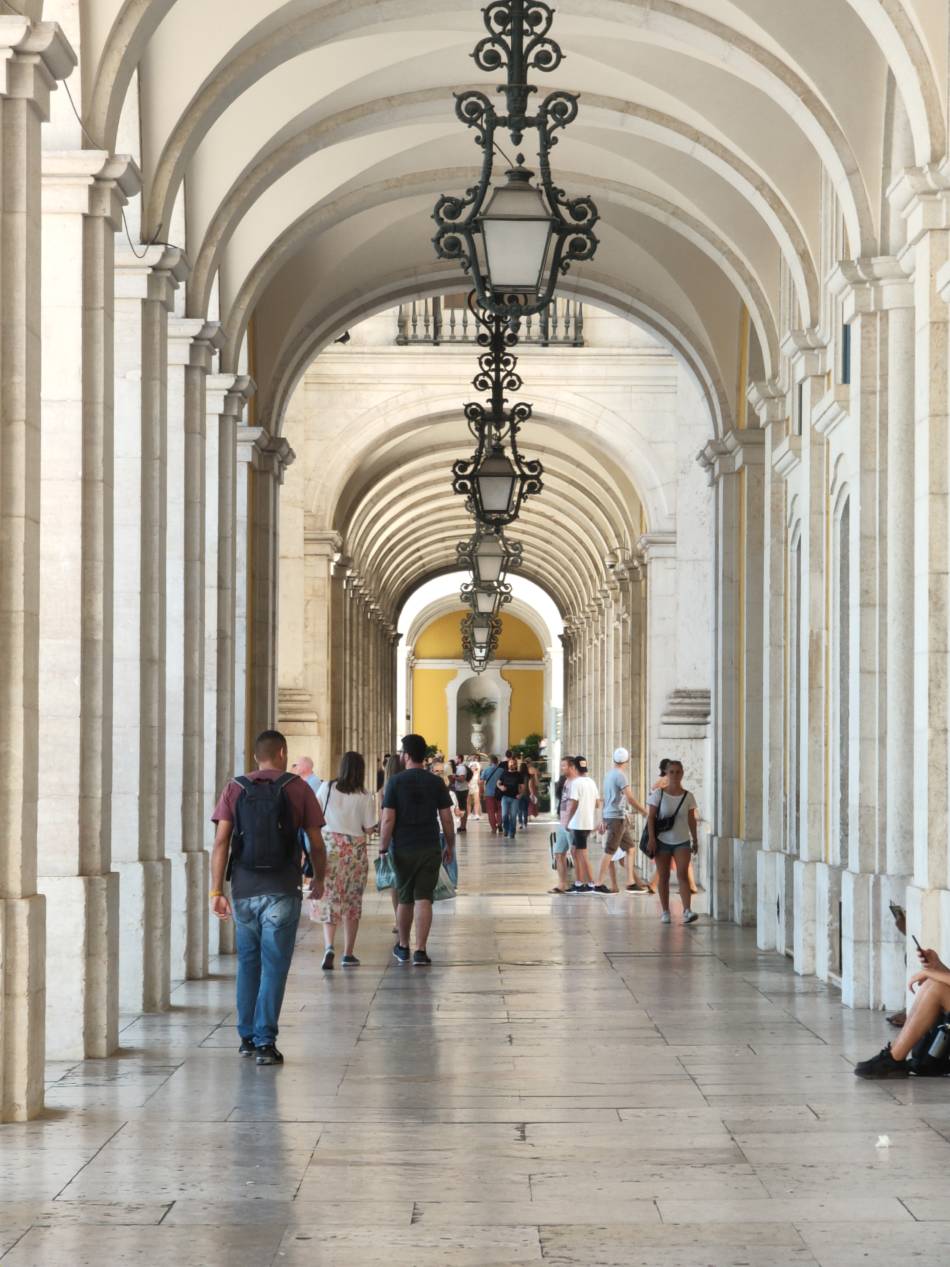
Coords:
420,959
350,961
638,888
328,956
400,953
601,888
269,1055
247,1047
577,888
883,1065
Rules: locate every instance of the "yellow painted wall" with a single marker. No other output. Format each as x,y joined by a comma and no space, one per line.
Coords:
526,716
442,640
430,715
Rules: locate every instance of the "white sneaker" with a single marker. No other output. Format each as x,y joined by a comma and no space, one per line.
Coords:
690,917
665,917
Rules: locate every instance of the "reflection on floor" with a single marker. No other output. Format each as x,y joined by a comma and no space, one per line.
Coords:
571,1083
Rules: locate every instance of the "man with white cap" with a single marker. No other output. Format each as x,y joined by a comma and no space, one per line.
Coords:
614,823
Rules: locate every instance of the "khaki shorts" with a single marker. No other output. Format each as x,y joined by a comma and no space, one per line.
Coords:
619,836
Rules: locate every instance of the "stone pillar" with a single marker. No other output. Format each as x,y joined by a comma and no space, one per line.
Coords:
307,713
191,348
144,295
33,58
337,667
926,212
769,404
83,195
264,476
877,302
736,467
225,399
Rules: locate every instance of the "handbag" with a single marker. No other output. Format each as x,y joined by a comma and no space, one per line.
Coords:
662,824
385,872
444,889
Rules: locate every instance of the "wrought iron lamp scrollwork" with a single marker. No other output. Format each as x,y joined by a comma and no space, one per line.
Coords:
496,480
485,599
516,239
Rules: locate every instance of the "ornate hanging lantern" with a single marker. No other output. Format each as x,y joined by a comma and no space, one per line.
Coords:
489,556
516,238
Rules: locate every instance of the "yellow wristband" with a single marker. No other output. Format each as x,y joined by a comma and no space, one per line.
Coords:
216,893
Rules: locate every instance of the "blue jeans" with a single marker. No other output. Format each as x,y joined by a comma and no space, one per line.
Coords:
524,803
509,812
266,930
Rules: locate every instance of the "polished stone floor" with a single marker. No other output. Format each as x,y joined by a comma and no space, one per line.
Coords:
571,1083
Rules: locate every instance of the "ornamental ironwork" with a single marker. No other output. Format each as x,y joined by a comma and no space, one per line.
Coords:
516,240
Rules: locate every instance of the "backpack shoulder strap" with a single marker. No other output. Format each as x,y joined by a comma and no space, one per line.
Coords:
243,782
282,780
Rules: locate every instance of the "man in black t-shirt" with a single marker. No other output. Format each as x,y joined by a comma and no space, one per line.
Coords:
415,802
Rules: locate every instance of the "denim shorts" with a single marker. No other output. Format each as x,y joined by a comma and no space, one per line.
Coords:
562,840
662,847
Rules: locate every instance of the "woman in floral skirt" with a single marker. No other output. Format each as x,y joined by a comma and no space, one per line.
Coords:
350,814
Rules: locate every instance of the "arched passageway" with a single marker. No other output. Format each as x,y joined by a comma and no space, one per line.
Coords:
231,378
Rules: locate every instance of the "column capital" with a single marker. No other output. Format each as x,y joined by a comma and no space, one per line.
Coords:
657,545
89,183
807,353
193,341
769,402
33,56
154,274
323,544
736,449
227,394
872,284
921,197
341,566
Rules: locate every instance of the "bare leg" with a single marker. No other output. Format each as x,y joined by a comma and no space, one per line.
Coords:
604,868
560,861
682,874
612,867
404,913
394,894
931,1000
693,887
663,861
350,929
329,934
423,923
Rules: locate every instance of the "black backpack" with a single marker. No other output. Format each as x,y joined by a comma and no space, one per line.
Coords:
264,838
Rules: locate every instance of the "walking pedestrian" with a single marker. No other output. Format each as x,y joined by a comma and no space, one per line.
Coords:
490,793
508,787
672,838
460,780
524,795
349,812
582,815
257,818
617,795
562,835
414,804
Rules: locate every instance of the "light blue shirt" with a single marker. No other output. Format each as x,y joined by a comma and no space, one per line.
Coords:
614,784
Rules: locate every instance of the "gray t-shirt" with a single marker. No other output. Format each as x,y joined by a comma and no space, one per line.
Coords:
614,799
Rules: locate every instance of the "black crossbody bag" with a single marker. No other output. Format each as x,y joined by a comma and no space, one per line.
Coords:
662,824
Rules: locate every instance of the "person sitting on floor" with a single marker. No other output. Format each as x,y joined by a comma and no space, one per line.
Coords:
932,987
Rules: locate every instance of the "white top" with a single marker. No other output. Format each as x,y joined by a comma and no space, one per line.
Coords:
666,804
584,791
347,813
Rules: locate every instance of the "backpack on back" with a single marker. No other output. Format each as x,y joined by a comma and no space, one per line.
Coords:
264,838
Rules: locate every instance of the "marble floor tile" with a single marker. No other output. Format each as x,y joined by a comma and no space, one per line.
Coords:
573,1084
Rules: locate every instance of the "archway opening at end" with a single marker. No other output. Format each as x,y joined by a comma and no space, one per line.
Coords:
524,683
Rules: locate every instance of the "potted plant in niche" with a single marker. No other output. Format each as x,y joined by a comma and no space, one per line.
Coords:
479,710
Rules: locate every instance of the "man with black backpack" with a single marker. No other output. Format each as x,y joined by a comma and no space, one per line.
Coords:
257,820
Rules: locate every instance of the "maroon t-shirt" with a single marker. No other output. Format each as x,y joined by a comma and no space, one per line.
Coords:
307,816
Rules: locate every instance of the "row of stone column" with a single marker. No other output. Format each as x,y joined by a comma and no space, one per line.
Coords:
138,575
346,698
832,705
604,683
